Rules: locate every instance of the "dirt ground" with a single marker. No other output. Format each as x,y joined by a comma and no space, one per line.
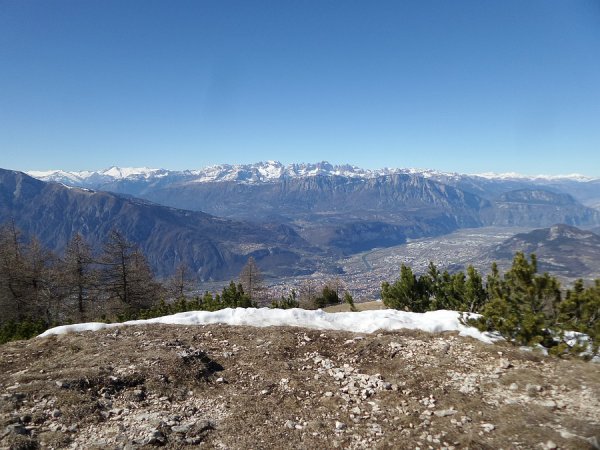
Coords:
270,388
364,306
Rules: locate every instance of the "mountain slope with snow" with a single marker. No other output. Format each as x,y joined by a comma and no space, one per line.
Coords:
268,171
144,182
354,209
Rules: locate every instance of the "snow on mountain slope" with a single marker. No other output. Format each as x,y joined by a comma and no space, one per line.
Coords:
139,172
60,175
518,176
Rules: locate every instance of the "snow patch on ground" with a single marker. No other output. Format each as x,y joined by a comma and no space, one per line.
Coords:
360,322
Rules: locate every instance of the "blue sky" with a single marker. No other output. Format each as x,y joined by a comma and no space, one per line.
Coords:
467,86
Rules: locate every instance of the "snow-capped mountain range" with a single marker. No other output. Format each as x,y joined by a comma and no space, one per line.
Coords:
266,172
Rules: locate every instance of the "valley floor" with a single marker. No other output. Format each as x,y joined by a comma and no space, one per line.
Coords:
363,273
217,386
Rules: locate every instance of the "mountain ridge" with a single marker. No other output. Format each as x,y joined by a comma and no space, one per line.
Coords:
144,181
265,171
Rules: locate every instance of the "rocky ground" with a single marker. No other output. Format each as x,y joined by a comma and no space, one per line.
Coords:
239,387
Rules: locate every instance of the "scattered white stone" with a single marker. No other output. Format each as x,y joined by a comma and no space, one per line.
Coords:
505,364
340,425
488,427
533,389
445,412
548,403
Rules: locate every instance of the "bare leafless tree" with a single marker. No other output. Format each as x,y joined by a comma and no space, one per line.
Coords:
182,283
125,274
13,283
43,293
79,276
252,280
308,292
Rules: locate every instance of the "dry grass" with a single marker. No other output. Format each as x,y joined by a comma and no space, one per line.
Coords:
366,306
163,376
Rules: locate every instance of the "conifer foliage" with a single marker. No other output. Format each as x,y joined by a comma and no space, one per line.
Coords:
522,305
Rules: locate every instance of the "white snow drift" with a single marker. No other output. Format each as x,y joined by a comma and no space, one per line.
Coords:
361,322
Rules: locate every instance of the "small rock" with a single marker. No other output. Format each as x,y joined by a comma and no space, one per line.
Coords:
339,375
201,428
328,394
505,364
290,424
513,386
155,437
445,412
138,394
116,411
56,413
340,425
488,427
62,384
548,404
15,428
181,429
550,445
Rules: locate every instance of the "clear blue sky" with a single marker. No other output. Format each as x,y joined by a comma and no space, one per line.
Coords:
467,86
